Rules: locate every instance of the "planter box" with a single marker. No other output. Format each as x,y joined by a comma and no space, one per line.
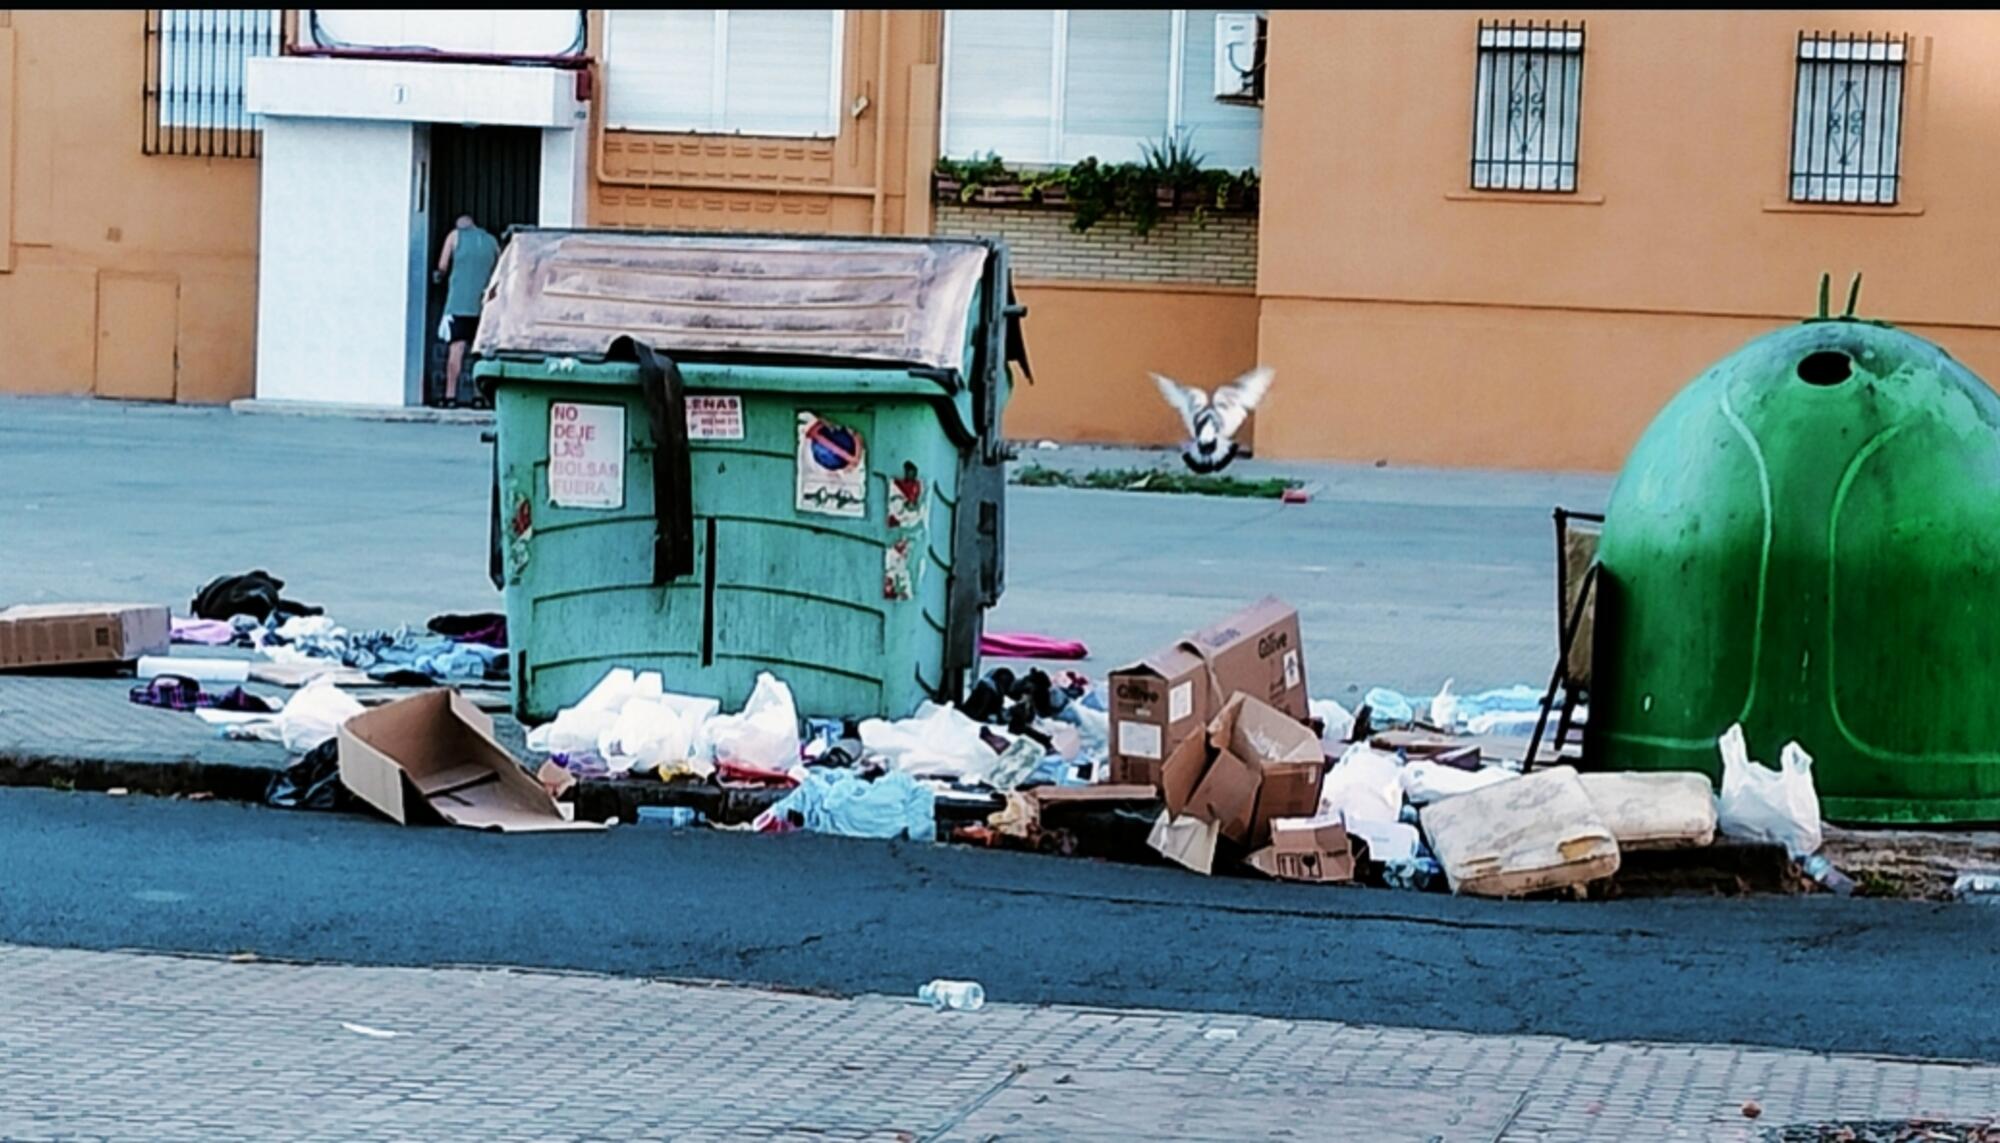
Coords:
946,189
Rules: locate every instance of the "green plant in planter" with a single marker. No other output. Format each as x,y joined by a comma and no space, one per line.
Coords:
1170,173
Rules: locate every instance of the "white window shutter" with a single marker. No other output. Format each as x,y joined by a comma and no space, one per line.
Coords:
779,71
660,69
1117,83
1000,84
1227,135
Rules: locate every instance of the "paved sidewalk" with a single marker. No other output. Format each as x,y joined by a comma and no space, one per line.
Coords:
121,1046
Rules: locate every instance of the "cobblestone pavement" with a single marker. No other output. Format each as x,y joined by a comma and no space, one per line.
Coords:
122,1046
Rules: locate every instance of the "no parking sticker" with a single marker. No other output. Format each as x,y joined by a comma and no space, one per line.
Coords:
833,469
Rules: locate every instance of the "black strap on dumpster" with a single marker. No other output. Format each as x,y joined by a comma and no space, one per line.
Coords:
673,468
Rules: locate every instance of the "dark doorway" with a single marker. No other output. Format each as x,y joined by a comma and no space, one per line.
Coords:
495,175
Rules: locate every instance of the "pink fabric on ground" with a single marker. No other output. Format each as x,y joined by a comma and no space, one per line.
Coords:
207,632
1002,645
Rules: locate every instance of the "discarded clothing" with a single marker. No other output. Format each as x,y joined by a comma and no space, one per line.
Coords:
487,628
205,632
255,594
843,804
1024,646
176,692
311,783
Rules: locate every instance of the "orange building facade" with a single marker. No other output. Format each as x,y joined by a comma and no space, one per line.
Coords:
1498,238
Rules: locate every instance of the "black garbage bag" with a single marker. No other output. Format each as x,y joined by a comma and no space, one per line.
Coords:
312,783
255,593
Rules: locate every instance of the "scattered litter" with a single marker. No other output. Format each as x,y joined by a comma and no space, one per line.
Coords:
117,791
255,593
1761,804
1752,1109
1983,888
957,995
1295,496
203,632
373,1033
940,742
766,734
1221,1035
200,670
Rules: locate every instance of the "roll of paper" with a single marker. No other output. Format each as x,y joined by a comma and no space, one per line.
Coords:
200,670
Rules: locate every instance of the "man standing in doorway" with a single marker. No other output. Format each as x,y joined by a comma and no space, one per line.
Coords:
467,262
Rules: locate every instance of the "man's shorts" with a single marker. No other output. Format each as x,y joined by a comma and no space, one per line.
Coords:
456,328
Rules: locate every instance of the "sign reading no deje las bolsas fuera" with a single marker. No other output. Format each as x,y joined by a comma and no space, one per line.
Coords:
586,455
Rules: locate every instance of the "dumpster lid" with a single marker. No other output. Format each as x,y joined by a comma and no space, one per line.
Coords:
573,292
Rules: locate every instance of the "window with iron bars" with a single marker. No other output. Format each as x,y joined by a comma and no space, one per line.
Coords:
1527,106
1847,119
193,88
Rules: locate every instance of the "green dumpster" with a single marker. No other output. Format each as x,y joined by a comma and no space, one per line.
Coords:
719,455
1807,542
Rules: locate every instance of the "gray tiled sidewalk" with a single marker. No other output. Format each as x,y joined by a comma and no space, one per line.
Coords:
119,1046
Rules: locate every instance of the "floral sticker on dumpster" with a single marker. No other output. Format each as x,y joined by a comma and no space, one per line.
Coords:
833,469
902,560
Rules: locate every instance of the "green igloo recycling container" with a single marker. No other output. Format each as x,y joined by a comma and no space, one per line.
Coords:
1807,542
718,455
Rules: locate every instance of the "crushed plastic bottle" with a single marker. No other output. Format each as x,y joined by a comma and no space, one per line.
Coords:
1983,888
669,817
1822,871
1422,873
958,995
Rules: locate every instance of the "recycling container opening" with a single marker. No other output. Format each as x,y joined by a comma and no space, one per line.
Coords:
718,455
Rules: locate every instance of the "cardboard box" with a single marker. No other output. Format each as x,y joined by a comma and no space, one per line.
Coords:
1161,701
55,634
440,746
1304,849
1258,763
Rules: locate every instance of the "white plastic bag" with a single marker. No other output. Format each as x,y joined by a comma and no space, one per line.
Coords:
1444,708
1761,804
314,715
766,734
939,742
1339,722
1363,786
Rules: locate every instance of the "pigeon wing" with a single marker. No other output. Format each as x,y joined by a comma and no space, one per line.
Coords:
1185,401
1234,401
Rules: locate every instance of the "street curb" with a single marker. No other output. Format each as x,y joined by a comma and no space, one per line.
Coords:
229,781
253,406
596,799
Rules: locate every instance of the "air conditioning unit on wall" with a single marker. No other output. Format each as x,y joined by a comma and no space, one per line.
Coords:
1239,58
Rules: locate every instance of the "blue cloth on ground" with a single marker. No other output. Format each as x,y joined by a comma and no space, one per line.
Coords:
847,806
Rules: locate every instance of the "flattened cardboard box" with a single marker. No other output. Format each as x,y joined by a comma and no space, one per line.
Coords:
1305,850
442,747
1166,698
1257,763
52,634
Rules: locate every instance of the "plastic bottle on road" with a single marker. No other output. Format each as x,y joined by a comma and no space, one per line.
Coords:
1821,870
670,817
959,995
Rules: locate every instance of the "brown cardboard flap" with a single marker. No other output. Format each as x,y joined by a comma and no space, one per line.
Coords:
1183,773
442,746
1267,765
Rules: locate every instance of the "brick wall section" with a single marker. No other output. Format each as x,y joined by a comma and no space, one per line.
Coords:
1220,249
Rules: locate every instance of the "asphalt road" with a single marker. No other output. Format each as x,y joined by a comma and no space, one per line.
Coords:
811,912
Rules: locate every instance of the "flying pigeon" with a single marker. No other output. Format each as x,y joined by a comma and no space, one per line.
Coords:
1213,420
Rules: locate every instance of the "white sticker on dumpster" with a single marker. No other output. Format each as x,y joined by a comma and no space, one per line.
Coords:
715,418
586,455
833,469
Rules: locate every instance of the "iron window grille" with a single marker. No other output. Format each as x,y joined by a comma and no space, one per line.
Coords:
1847,119
193,86
1527,106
